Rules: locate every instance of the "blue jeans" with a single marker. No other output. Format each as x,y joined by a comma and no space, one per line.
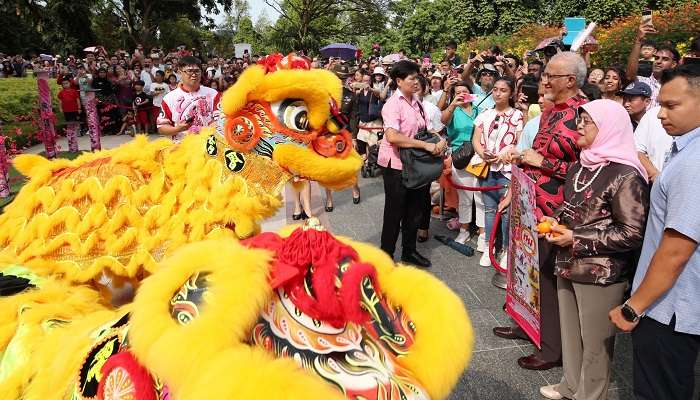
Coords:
491,200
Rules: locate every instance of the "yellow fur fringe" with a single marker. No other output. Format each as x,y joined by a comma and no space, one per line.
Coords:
146,200
314,86
444,337
238,290
245,373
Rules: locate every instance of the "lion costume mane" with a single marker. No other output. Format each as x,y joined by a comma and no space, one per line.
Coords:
221,311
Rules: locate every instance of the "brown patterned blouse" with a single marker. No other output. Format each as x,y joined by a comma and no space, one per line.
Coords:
608,220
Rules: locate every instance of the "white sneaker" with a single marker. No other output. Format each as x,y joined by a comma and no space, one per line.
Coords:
550,392
503,261
463,236
485,260
481,243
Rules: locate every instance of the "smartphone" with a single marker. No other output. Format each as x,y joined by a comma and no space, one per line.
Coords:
468,98
691,60
645,68
531,91
190,119
646,16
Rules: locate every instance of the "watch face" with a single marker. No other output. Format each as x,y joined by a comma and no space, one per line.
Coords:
628,313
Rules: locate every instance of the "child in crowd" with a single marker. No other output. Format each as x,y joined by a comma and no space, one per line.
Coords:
158,90
69,101
142,106
648,50
128,123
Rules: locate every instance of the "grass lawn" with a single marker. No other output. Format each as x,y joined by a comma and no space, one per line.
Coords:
17,180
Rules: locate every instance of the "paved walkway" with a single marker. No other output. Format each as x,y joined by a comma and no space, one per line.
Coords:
493,373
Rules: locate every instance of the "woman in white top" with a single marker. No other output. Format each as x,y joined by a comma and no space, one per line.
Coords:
496,131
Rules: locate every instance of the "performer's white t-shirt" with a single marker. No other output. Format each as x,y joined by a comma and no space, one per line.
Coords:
180,105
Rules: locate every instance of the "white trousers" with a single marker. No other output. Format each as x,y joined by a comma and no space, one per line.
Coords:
467,197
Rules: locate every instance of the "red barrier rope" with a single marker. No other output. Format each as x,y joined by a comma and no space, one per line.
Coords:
492,241
475,188
496,221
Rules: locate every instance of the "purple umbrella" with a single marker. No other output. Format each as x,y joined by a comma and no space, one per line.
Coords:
342,50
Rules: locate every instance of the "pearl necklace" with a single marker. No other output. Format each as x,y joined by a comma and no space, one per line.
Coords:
578,174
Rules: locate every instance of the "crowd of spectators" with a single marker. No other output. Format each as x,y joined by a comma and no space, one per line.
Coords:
612,151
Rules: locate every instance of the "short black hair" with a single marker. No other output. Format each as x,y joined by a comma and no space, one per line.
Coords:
402,69
423,81
689,72
649,42
161,73
189,60
451,44
537,62
591,91
695,45
140,83
671,49
514,57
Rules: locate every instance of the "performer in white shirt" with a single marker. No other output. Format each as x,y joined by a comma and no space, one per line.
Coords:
191,106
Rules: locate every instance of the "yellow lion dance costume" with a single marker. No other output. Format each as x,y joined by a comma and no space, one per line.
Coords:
221,310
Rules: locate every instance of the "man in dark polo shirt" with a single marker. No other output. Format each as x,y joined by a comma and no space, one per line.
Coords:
553,152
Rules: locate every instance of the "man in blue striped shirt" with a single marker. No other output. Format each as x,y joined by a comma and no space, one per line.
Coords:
664,310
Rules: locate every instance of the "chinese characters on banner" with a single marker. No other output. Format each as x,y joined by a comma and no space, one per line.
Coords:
523,292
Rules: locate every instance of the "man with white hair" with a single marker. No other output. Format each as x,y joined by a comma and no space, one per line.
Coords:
554,151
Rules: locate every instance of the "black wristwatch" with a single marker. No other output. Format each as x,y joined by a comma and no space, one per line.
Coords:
629,314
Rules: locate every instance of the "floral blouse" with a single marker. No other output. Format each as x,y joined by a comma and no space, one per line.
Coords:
608,220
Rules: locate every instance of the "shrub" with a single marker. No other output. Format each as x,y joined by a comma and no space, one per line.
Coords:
18,110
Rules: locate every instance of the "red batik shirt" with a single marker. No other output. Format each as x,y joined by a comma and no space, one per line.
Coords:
556,142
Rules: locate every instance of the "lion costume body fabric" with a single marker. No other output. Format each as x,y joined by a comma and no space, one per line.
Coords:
221,310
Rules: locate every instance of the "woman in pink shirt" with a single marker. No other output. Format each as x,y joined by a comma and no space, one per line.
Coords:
403,117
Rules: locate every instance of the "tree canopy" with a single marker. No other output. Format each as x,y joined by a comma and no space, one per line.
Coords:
417,26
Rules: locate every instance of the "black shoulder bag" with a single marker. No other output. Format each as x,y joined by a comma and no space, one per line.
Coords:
420,167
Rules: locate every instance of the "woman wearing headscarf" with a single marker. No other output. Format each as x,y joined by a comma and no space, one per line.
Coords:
599,229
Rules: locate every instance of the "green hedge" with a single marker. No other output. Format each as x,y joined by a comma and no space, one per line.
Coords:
18,107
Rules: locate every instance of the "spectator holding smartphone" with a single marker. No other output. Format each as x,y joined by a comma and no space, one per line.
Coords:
666,57
496,132
459,119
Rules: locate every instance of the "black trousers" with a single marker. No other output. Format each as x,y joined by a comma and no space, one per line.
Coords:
403,212
550,330
664,361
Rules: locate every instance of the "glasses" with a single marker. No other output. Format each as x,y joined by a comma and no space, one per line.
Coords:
192,71
583,120
547,77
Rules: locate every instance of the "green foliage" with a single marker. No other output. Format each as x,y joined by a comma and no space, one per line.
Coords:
675,26
18,103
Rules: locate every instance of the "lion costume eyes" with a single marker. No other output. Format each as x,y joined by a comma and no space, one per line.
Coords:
292,113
